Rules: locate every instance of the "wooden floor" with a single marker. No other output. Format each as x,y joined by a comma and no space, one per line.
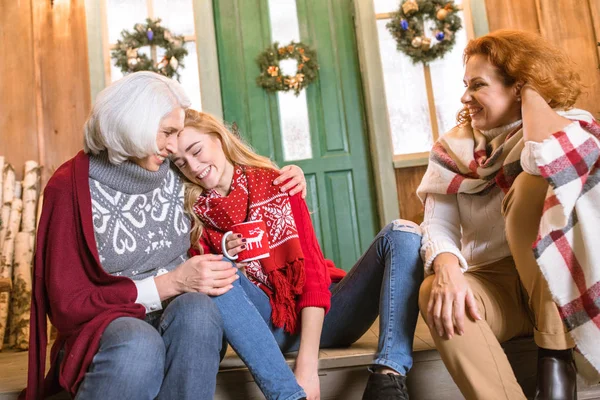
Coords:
343,372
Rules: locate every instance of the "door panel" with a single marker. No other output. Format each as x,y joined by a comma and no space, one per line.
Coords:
341,196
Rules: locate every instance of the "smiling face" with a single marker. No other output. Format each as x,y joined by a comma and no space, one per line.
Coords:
170,125
200,157
490,102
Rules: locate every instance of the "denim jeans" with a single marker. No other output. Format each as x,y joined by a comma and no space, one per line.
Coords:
170,356
384,281
251,338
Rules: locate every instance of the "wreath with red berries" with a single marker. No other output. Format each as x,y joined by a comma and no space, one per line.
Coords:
408,28
273,80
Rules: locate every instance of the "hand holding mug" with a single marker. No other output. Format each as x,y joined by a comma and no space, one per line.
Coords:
234,244
247,241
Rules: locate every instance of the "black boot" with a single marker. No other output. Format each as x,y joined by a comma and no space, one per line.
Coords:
556,375
386,387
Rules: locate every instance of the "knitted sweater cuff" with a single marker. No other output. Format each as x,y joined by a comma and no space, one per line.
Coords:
434,249
314,299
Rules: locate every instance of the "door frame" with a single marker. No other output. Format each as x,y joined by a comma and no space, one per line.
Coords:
378,130
378,120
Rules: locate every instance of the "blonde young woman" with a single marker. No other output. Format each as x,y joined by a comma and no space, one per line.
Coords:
484,193
292,289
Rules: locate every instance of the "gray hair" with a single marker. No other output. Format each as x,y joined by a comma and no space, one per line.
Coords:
127,114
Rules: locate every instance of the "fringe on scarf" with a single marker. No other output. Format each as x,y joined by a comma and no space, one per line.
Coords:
287,284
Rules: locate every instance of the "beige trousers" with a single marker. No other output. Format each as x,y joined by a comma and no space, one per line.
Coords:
513,299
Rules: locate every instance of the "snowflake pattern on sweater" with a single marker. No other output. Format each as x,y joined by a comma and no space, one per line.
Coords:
142,234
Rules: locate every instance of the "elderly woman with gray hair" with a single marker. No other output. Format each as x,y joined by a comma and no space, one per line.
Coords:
136,317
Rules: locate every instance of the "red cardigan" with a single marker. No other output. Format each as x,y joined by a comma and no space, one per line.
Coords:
319,271
69,284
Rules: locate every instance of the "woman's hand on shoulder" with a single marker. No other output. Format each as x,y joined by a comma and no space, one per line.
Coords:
211,274
450,296
293,177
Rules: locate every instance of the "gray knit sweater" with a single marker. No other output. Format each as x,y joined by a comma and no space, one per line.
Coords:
140,226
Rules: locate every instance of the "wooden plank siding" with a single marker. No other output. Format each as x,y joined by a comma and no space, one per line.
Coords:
45,83
568,24
18,122
407,181
571,25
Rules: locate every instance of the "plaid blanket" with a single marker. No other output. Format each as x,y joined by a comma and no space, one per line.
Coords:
570,230
463,161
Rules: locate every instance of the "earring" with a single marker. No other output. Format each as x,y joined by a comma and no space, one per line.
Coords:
519,99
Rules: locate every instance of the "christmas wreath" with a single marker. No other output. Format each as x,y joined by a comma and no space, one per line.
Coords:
408,28
127,57
271,77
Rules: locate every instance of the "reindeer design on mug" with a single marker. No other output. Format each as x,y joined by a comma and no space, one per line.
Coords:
256,239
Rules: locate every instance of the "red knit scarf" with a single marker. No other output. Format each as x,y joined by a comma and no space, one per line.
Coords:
253,197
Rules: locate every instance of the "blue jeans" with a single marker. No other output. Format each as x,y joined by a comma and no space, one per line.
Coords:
170,356
384,281
252,340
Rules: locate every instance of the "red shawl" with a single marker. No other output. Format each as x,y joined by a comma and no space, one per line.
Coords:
69,284
254,197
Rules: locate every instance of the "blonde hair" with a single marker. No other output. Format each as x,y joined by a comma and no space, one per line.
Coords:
527,57
236,151
126,115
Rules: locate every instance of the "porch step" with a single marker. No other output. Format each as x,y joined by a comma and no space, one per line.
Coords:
343,372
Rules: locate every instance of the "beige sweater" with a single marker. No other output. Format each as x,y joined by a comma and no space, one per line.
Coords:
471,226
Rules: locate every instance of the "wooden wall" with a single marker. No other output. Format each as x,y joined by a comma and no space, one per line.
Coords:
407,181
572,25
44,84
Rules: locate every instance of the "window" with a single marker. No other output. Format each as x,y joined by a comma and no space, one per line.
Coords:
293,110
176,15
422,101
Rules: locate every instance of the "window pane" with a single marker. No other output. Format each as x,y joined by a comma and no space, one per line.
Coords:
386,6
124,14
284,21
293,111
189,76
406,97
176,15
293,115
446,78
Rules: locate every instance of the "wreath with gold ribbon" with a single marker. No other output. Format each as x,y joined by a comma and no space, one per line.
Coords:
127,56
273,80
408,28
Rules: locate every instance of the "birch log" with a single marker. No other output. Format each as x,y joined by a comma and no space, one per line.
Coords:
20,298
31,183
8,188
6,260
1,185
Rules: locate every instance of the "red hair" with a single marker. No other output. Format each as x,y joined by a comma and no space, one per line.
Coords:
521,56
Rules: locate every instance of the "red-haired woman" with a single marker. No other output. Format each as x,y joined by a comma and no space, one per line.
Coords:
484,194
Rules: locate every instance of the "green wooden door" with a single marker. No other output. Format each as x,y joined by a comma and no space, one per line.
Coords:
341,195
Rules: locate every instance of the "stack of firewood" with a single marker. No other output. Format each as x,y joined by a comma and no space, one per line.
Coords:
18,220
